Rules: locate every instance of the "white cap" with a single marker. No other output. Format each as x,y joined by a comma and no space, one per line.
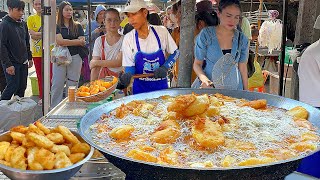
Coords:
135,6
317,23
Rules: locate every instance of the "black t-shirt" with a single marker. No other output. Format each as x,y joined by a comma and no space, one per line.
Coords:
66,34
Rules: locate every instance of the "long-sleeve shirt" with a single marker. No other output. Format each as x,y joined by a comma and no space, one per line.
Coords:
14,42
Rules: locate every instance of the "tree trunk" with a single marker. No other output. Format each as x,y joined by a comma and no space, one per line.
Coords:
186,42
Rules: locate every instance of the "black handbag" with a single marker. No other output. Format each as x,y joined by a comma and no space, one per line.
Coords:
250,65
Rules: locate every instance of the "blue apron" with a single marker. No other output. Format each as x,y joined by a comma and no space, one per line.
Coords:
148,63
311,165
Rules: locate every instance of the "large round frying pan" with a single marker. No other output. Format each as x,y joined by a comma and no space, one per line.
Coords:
135,169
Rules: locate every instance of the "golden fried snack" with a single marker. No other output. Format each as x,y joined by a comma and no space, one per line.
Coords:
42,127
169,156
181,102
121,132
279,154
213,111
40,140
62,160
255,161
168,132
214,101
147,148
143,110
9,152
140,155
303,146
298,112
45,158
256,104
228,161
27,143
32,164
240,145
21,129
308,136
35,129
67,134
16,136
81,148
57,138
18,159
60,148
199,106
207,134
76,157
3,149
3,162
173,116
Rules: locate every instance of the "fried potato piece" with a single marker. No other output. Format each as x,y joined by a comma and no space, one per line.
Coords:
57,138
16,136
181,102
62,160
42,127
32,164
121,132
40,140
239,145
199,106
308,136
168,132
228,161
279,154
140,155
27,143
9,152
3,149
169,156
76,157
255,161
213,111
207,134
173,116
21,129
60,148
214,101
298,112
143,110
3,162
18,160
146,148
256,104
81,148
35,129
67,134
45,158
303,146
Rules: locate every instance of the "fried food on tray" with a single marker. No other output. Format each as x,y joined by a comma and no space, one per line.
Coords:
207,134
37,147
255,161
18,160
62,160
169,156
40,140
240,145
143,110
141,155
166,133
279,154
199,106
181,103
57,138
228,161
3,149
256,104
121,132
303,147
66,133
76,157
298,112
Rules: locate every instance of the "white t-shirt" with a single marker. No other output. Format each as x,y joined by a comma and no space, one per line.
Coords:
111,52
148,45
309,75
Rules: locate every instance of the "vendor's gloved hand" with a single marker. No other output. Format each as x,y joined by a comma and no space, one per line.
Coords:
161,72
124,80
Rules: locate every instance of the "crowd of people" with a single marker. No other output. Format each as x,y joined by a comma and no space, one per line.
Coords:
147,44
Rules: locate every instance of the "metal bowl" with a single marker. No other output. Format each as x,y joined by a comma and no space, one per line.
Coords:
136,169
61,174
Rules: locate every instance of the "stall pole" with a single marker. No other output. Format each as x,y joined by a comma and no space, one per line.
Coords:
283,48
186,43
89,29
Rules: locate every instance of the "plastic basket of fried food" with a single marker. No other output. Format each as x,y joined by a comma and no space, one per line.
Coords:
37,152
97,90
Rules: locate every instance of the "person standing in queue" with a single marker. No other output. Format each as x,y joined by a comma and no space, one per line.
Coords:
144,49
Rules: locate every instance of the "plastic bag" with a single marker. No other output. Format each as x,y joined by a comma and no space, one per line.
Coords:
61,55
17,111
256,80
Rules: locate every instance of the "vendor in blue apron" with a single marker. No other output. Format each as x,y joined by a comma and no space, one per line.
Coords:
144,50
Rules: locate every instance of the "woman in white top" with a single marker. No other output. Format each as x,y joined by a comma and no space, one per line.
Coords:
106,56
